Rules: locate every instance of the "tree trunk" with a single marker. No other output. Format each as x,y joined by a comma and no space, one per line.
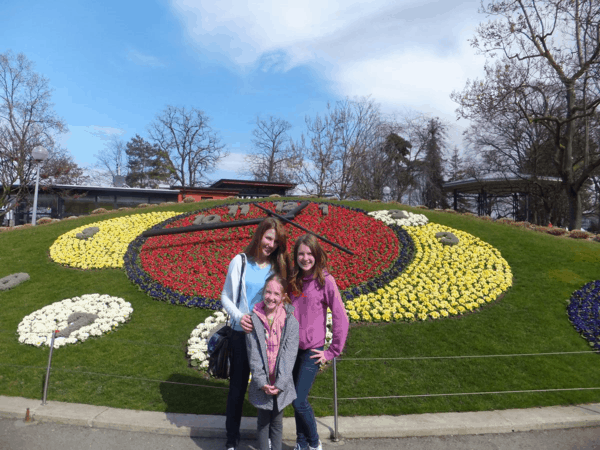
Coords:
575,208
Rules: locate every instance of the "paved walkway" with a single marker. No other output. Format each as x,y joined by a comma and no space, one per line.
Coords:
441,424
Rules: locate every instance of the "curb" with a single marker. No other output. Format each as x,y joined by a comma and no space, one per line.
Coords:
208,426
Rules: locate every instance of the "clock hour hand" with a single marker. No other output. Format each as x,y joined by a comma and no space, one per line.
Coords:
344,249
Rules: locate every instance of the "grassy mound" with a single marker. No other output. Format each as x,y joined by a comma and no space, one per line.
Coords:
143,364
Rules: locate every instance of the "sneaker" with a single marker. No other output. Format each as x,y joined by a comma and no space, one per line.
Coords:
297,447
318,447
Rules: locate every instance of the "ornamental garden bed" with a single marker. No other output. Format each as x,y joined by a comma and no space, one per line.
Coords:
144,364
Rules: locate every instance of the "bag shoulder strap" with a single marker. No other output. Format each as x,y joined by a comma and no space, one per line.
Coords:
243,255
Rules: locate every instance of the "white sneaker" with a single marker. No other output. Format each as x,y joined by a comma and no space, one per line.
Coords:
318,447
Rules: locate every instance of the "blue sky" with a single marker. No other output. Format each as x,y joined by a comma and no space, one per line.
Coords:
115,65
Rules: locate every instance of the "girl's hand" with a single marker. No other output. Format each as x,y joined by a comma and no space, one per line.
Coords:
319,355
246,323
270,390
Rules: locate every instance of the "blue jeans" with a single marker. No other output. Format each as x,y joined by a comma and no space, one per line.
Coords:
305,371
239,372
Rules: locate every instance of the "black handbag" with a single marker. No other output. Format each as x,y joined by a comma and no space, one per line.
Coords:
219,341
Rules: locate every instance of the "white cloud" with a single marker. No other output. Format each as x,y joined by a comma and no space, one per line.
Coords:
104,133
141,59
232,163
405,53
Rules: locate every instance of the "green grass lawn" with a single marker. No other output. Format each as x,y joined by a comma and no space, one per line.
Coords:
143,364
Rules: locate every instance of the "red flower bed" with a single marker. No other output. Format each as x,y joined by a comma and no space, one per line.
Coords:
195,264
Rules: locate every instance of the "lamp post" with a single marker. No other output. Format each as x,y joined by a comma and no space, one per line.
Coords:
40,154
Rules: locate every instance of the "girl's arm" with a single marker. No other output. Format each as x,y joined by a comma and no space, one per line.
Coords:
288,350
340,324
230,289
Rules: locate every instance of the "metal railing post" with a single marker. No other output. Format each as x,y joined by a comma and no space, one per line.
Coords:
336,436
48,369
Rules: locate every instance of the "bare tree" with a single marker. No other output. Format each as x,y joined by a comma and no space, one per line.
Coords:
357,122
61,168
273,159
27,119
550,56
318,172
187,143
112,160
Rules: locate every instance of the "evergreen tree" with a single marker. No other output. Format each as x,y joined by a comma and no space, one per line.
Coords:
435,142
146,164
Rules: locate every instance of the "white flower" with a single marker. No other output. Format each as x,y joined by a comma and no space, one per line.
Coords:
413,220
37,328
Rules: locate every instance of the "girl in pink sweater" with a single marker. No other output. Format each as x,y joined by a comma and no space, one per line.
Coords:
313,290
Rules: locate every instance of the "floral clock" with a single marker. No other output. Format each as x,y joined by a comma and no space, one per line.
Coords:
190,268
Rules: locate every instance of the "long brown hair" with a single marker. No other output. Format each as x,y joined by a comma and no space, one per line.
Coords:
279,258
284,286
320,262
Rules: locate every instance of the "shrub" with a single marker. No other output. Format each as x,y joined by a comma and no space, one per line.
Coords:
505,220
44,220
556,231
274,195
578,234
99,211
142,205
524,225
450,210
125,208
422,207
189,200
487,218
470,214
376,201
167,203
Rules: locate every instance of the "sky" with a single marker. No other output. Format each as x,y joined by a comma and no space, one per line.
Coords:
114,66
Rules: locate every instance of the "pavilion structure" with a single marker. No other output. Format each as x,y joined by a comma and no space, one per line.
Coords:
486,189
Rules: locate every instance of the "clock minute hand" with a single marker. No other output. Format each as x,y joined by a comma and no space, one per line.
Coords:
344,249
213,226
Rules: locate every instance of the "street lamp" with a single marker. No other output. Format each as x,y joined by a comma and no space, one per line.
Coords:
386,194
40,154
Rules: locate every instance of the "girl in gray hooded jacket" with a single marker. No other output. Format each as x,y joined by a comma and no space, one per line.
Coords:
272,349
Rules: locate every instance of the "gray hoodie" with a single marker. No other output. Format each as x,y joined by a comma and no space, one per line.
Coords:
286,358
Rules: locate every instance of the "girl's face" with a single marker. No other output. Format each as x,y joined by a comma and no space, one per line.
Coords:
273,296
306,260
268,243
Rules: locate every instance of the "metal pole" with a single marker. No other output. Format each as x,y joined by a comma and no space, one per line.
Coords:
336,436
35,196
48,369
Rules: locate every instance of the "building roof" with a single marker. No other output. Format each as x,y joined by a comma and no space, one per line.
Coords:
498,185
225,181
111,188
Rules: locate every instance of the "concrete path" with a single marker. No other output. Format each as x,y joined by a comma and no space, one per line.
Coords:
441,424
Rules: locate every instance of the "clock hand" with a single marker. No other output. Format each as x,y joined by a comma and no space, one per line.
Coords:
344,249
213,226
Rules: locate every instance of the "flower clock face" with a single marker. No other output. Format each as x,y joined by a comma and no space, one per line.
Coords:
190,268
75,318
